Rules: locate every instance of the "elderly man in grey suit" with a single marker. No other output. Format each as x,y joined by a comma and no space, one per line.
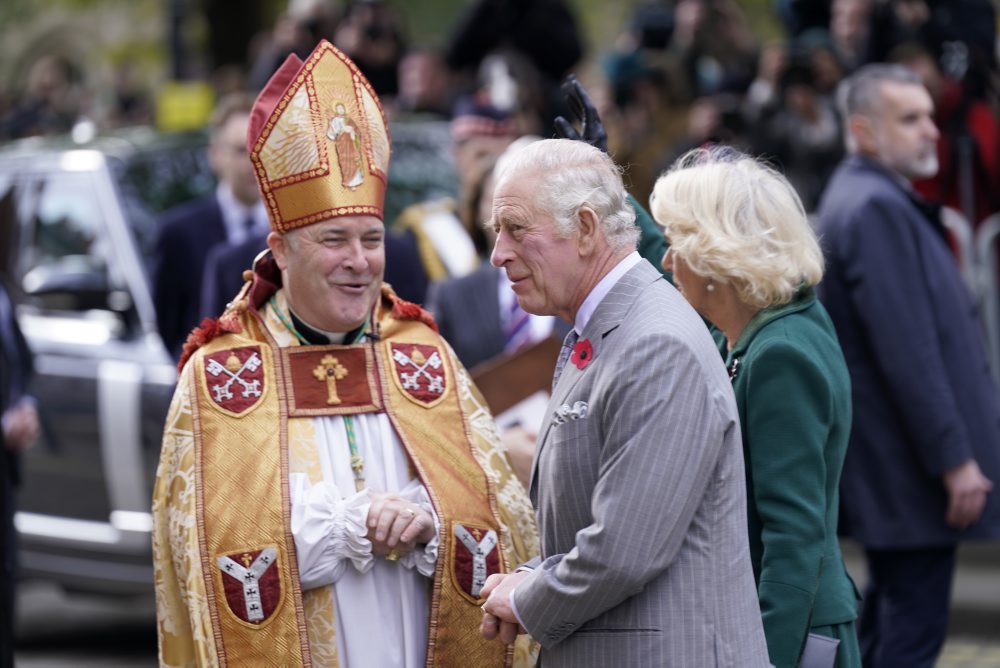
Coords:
638,482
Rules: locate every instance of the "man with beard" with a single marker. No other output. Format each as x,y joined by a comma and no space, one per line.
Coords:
925,444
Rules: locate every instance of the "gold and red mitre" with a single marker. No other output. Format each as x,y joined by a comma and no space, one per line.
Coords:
319,141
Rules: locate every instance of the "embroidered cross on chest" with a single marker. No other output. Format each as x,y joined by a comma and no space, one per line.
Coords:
249,575
330,370
480,549
234,370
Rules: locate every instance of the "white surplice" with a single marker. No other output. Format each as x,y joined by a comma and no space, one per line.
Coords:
382,607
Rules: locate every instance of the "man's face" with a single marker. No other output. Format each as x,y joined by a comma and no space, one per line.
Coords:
544,268
229,159
332,270
904,137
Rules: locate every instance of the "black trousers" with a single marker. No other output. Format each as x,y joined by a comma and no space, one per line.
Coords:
904,616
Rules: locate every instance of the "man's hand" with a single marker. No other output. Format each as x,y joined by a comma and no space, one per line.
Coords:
591,128
20,427
967,489
498,615
397,524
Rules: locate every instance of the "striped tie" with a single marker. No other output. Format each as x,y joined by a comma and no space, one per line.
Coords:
516,328
564,353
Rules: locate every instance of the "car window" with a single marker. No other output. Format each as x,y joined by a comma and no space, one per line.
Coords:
158,179
63,242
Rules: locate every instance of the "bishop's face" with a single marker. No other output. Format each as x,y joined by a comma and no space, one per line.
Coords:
332,271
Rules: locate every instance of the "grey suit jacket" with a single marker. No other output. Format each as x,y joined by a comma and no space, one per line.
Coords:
641,503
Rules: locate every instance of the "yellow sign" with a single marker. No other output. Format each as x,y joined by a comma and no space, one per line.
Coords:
184,105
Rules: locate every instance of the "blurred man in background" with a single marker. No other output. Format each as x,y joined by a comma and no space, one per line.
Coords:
230,215
925,444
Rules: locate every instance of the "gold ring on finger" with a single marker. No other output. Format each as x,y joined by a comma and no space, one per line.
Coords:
393,555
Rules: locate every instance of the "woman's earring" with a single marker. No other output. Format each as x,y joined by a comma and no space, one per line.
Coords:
710,287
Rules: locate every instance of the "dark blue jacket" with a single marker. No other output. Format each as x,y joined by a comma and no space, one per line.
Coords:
186,234
924,400
16,370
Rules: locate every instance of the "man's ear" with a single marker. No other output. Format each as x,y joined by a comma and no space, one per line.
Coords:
589,229
862,129
279,247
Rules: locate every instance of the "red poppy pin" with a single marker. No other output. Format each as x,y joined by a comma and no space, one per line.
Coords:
583,352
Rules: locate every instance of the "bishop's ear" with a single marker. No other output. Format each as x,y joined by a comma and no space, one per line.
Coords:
279,245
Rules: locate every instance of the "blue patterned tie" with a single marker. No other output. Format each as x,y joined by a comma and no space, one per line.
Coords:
564,353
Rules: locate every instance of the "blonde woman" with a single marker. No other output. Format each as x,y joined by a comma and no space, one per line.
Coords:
744,256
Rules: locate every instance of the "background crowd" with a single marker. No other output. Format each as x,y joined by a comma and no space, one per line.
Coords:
679,74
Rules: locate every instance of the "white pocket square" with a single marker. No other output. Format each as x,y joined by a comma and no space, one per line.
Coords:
564,413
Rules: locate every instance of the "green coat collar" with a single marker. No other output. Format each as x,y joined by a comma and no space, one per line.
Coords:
803,299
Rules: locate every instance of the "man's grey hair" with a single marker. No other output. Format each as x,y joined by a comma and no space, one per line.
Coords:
572,174
861,92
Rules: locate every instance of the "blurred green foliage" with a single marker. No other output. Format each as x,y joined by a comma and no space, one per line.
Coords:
600,20
27,25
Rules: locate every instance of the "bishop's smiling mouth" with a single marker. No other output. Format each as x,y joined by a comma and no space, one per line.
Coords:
352,287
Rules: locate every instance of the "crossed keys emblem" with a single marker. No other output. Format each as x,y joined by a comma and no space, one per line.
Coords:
234,370
416,359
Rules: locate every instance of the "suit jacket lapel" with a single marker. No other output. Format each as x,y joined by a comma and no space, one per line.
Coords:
607,317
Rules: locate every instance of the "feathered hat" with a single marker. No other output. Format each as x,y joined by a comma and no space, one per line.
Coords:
319,141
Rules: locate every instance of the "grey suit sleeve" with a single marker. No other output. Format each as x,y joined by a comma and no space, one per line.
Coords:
659,430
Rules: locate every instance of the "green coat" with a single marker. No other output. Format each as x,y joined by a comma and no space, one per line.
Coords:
794,398
652,245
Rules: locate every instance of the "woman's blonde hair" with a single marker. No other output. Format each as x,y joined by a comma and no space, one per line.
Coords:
735,220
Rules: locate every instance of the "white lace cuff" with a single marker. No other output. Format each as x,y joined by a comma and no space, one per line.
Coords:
329,531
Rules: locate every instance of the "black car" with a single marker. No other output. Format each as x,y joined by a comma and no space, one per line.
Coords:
77,225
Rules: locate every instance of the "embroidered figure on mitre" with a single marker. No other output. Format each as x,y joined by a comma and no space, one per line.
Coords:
346,138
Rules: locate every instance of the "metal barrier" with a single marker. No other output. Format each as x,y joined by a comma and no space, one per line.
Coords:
960,229
987,275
